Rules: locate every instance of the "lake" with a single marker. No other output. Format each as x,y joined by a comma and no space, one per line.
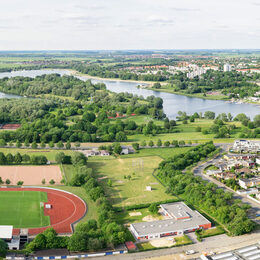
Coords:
172,103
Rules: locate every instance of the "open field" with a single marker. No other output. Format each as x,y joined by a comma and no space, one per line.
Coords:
125,192
164,153
135,216
50,154
31,175
187,133
22,209
140,119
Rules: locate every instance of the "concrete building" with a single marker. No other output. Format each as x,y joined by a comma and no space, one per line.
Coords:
227,67
247,183
6,234
180,220
246,146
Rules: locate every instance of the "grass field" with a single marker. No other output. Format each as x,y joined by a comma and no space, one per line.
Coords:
164,153
125,218
126,192
22,209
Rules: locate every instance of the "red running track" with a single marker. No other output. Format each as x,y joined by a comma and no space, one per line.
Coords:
66,209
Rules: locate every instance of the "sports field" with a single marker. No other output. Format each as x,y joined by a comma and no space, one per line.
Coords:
23,209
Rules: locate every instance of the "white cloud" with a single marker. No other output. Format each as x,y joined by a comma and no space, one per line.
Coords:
129,24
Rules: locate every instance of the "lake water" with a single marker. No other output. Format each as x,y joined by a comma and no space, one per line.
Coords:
172,103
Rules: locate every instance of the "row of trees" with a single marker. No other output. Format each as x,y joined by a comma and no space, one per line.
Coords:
17,159
90,235
206,196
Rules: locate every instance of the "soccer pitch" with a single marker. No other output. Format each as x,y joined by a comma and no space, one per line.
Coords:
23,209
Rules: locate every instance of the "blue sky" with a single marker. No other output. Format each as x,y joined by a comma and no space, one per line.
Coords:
128,24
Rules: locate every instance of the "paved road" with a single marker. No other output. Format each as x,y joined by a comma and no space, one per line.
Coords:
217,244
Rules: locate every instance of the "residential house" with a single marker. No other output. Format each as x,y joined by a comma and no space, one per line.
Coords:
226,175
243,171
247,183
104,153
213,172
246,146
127,149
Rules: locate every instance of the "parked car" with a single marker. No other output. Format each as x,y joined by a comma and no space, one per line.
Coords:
190,252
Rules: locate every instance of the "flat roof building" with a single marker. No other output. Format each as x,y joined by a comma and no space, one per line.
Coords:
6,232
181,220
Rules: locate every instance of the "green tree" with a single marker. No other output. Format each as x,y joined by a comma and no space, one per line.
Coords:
153,208
51,144
151,144
18,158
117,148
26,143
143,143
2,159
159,143
68,145
167,143
3,248
60,144
26,158
18,144
34,145
121,137
135,146
7,181
109,183
52,182
9,158
2,142
59,157
78,159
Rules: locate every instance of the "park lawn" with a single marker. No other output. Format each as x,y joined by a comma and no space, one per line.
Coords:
145,246
50,154
142,119
186,136
212,232
163,152
125,192
124,217
210,167
183,240
91,205
191,127
69,171
22,209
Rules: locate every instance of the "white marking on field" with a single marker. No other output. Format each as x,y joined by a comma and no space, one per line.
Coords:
132,214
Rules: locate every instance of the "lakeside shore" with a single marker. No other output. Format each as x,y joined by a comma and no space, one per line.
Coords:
140,82
148,85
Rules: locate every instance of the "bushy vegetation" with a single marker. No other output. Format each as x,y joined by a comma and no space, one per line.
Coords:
234,84
19,110
206,196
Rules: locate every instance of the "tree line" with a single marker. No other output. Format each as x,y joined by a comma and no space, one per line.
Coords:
206,196
93,234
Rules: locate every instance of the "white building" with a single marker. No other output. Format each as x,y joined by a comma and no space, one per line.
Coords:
227,67
180,220
246,146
